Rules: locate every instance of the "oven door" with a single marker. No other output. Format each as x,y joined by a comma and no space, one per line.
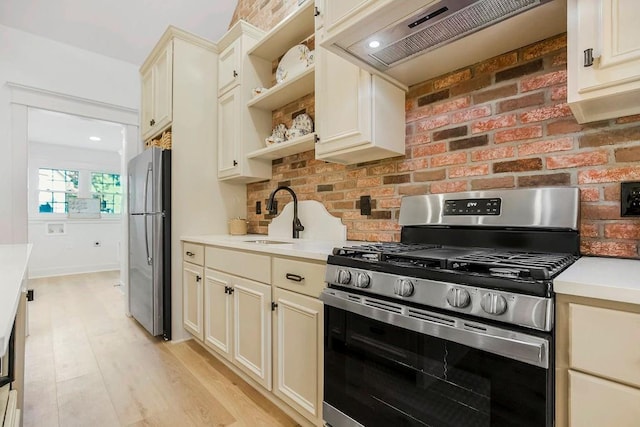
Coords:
387,364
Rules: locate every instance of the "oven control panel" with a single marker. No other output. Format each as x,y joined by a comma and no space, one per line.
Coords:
490,206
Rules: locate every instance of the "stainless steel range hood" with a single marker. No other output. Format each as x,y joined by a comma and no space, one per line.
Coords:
412,41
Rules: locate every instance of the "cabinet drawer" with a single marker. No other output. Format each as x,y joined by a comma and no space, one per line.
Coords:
605,342
597,402
244,264
299,276
193,253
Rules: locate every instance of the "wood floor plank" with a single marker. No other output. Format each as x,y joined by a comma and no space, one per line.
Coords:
84,401
87,364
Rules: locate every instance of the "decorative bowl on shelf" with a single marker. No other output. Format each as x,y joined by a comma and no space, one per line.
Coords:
292,63
278,135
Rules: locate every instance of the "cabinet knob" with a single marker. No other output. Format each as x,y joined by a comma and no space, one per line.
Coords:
152,122
235,163
188,253
198,278
316,12
235,73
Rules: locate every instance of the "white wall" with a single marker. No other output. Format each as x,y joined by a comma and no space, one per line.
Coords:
73,251
41,63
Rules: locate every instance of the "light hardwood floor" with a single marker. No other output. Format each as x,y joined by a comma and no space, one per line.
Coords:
87,364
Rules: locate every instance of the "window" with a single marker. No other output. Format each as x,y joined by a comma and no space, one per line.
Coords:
106,187
55,188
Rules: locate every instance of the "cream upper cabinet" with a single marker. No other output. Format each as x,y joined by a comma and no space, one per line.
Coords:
229,63
298,350
336,12
609,86
240,129
597,363
229,134
359,116
157,93
192,294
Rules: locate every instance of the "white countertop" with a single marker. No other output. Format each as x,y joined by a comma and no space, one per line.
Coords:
13,266
299,248
613,279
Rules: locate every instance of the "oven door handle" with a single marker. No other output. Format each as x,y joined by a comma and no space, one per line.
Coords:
519,346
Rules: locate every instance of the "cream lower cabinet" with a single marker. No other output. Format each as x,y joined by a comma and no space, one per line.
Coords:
297,354
238,323
597,363
192,290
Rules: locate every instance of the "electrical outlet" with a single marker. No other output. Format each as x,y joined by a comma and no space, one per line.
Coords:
258,207
365,205
630,198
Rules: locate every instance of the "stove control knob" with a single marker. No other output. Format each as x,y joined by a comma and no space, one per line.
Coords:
363,280
403,288
343,277
493,303
459,298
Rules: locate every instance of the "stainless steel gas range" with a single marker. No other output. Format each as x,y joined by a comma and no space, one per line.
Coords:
454,325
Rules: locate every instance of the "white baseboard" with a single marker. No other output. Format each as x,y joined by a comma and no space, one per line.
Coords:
65,271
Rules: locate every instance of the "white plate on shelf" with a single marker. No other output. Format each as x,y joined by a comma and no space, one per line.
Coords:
292,63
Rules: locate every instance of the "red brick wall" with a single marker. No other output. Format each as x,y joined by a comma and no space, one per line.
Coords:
501,123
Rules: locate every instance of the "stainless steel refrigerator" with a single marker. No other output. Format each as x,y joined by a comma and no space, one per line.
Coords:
150,240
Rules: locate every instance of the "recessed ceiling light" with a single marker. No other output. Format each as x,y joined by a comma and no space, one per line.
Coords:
374,44
95,138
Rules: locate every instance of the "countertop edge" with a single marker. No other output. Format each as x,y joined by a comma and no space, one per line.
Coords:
317,250
6,323
611,279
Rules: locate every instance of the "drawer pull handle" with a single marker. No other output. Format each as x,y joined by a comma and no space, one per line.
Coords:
190,253
294,277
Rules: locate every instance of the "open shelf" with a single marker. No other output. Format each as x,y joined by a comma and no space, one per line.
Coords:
291,31
286,92
284,149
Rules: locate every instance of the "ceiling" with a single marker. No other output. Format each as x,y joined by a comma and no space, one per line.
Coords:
121,29
51,127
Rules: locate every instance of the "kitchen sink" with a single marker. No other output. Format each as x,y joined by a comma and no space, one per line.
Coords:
267,242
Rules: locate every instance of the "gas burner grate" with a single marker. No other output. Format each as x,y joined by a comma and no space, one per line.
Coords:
538,266
376,252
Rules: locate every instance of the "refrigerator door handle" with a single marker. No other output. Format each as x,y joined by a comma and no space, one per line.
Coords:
146,226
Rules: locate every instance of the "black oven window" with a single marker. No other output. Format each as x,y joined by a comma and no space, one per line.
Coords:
383,375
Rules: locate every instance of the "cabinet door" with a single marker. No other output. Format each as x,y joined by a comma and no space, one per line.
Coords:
610,28
229,134
192,298
229,67
252,329
336,12
597,402
298,353
147,103
217,312
157,94
343,113
611,86
163,88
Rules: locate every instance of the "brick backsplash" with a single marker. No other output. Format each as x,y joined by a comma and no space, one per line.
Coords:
501,123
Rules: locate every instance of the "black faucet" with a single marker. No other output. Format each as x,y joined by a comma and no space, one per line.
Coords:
297,225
